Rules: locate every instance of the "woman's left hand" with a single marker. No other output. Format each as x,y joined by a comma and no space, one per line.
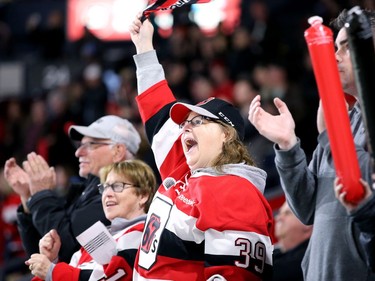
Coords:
39,265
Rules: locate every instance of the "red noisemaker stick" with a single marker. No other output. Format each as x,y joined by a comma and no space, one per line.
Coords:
322,53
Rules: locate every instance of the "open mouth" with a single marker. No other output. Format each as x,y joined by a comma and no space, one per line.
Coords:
190,143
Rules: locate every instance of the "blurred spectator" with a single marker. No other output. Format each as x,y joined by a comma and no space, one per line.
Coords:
201,88
124,104
273,81
13,257
368,4
74,100
293,237
11,127
35,128
48,38
177,75
64,177
261,149
58,144
243,93
89,48
264,32
95,94
222,83
5,40
241,57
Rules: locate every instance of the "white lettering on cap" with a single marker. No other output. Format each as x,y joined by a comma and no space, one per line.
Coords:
226,118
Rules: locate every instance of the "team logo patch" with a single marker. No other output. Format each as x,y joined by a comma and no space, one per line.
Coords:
152,226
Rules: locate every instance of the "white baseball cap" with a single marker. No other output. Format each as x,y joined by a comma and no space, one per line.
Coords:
111,127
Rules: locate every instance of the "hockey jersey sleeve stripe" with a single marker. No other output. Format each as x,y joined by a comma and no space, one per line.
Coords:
180,224
130,240
162,146
180,249
150,106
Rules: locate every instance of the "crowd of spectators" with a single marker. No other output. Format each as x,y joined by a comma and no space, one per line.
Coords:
266,54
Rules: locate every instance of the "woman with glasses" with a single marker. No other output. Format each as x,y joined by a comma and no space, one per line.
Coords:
127,189
209,219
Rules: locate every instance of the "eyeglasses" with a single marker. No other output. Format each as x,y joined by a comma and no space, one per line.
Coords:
196,121
116,186
91,145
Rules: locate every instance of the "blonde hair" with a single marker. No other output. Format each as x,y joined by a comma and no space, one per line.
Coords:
138,172
234,151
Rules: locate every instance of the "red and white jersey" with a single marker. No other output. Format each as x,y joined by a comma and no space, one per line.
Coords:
205,225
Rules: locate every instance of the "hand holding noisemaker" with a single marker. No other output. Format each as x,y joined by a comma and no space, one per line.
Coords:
320,44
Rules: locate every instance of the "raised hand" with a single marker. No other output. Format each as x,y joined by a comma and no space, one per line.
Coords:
50,245
41,176
141,35
17,178
277,128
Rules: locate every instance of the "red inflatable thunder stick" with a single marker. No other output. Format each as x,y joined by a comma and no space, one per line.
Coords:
319,40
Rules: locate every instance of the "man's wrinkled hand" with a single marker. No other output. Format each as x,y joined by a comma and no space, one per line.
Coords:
17,178
42,176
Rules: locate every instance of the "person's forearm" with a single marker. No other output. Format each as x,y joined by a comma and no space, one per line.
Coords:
149,70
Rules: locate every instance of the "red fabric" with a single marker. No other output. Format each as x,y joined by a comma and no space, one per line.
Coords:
155,5
10,234
120,268
85,256
42,148
149,106
64,271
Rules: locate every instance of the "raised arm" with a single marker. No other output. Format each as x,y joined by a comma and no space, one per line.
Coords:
277,128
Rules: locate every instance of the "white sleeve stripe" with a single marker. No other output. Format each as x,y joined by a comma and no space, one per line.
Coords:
130,240
181,224
164,140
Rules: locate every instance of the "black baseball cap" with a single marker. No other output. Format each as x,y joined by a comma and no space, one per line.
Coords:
214,108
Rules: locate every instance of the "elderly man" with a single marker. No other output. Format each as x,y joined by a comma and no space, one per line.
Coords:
293,237
110,139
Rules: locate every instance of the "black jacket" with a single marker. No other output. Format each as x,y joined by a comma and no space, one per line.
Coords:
69,215
287,265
